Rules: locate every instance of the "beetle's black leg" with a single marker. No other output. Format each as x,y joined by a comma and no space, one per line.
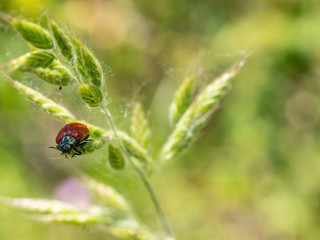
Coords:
77,151
81,144
85,138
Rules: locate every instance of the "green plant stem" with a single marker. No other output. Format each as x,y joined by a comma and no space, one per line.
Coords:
142,176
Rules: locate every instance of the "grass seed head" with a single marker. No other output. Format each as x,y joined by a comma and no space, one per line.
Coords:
181,100
61,39
197,114
139,126
32,33
115,158
91,95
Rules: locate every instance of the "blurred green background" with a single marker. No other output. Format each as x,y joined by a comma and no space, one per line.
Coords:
254,173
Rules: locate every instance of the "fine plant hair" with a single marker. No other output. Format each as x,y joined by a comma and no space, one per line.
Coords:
61,59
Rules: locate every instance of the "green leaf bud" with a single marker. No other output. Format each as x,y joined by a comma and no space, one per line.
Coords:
139,126
88,66
56,74
116,159
79,61
93,68
90,95
182,99
32,60
62,40
32,33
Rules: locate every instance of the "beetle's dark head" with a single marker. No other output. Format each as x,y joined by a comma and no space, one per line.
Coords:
66,144
66,148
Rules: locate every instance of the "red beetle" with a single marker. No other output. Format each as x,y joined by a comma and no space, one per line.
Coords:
71,137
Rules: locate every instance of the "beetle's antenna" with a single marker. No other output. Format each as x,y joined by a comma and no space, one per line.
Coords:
53,147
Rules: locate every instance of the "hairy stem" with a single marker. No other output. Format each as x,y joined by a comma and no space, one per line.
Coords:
142,176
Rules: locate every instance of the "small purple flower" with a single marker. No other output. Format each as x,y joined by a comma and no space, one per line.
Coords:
71,190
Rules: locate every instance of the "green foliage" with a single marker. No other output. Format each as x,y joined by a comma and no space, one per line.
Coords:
189,125
254,171
67,60
70,62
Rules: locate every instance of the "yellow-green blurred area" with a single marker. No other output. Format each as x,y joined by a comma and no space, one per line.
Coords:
254,173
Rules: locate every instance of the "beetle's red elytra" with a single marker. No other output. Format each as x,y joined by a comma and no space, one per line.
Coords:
71,138
76,130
